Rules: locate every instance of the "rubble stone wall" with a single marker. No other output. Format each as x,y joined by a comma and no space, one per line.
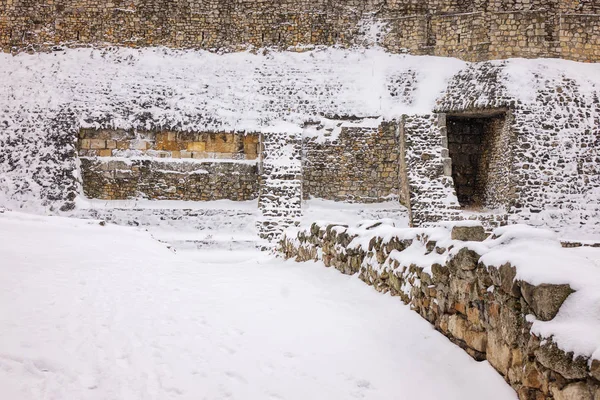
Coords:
161,179
120,164
360,165
473,30
547,153
481,308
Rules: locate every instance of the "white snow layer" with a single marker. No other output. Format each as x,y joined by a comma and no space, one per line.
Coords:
117,315
198,90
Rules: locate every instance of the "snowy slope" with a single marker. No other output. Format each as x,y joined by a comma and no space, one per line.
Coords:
119,316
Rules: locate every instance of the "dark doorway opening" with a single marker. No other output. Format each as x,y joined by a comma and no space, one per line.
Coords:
473,146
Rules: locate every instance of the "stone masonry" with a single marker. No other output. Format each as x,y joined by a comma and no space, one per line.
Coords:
360,165
472,30
481,308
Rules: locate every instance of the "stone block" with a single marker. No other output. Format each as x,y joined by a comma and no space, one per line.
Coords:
105,153
497,352
201,154
196,147
122,144
111,144
185,154
97,144
465,260
545,299
224,143
139,145
573,391
595,369
551,357
176,154
476,340
85,144
457,326
531,376
469,233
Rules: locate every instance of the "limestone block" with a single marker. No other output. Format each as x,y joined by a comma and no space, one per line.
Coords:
97,144
85,144
105,153
545,300
531,376
551,357
196,146
111,144
476,340
465,260
457,326
469,233
497,352
139,145
573,391
595,370
224,143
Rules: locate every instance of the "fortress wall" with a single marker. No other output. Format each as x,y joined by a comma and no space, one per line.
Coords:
488,29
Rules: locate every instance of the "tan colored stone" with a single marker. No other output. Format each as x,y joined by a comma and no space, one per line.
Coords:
573,391
105,153
111,144
498,353
531,376
476,340
473,316
457,326
97,144
139,145
224,143
85,144
122,144
200,154
176,154
196,146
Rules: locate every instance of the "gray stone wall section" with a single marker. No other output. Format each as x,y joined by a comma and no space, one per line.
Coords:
105,178
553,142
432,194
360,166
280,199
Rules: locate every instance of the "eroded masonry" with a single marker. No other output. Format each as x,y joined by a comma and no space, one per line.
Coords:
472,30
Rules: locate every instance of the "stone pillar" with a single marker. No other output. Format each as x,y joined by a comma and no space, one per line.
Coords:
280,193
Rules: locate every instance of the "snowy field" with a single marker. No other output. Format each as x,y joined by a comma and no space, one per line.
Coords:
106,312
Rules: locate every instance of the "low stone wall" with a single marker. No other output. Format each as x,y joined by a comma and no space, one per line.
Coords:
483,308
119,179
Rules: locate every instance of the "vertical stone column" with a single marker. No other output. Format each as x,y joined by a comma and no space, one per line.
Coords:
280,193
428,169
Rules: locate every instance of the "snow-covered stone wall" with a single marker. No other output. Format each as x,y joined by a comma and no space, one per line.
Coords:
516,298
48,98
359,164
468,29
550,155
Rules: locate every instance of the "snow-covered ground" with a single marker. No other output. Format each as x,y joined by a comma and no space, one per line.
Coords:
106,312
